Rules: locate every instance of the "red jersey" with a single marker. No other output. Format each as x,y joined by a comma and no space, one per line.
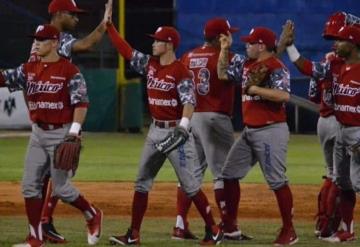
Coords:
165,85
212,94
52,89
257,111
346,89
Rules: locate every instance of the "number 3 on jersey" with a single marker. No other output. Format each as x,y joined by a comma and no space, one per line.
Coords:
202,81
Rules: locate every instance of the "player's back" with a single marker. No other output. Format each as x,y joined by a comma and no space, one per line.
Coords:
212,94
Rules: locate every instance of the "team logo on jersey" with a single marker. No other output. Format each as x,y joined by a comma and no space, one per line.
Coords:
345,90
43,87
200,62
155,83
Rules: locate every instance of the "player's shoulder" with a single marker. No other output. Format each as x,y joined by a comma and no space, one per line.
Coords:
274,63
68,65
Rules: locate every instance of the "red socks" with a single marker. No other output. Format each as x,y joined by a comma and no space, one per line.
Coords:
33,208
347,204
285,202
232,200
84,206
203,207
139,206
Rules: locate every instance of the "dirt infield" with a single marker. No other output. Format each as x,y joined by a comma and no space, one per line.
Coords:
115,199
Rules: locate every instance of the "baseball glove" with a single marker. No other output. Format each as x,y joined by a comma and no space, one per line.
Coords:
256,77
67,154
174,139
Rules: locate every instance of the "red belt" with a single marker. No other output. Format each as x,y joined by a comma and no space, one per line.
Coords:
165,124
45,126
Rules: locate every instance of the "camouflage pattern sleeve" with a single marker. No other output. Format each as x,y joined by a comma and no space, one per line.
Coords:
235,68
15,78
139,62
321,70
186,91
78,90
280,79
66,44
314,91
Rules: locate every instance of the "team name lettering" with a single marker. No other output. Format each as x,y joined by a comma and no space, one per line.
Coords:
43,87
345,90
163,102
162,85
45,105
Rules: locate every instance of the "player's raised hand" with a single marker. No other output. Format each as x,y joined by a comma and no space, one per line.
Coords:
108,12
287,36
225,40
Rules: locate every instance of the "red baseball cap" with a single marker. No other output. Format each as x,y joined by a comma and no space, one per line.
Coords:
45,32
350,34
333,25
261,35
217,26
64,5
167,34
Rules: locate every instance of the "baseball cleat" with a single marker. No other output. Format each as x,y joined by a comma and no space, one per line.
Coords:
237,236
131,237
213,236
340,236
287,236
181,234
31,242
95,227
50,234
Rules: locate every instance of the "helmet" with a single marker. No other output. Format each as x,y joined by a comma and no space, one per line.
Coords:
333,25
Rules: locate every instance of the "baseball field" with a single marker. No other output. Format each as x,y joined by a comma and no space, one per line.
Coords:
107,168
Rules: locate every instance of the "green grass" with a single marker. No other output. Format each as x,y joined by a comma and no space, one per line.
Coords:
115,157
156,232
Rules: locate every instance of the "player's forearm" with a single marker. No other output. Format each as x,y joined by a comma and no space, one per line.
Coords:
302,64
223,63
120,44
85,44
79,115
274,95
188,111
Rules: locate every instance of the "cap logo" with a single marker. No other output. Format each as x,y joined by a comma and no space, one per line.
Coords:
251,31
261,41
351,37
341,29
228,24
39,28
158,30
73,1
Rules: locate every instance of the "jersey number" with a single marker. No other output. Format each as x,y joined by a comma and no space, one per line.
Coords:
203,85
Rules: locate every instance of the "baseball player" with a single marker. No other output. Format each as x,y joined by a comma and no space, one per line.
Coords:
266,88
345,97
171,101
211,124
57,101
64,18
320,92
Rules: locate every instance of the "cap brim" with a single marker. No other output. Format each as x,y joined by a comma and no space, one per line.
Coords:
156,38
247,39
233,29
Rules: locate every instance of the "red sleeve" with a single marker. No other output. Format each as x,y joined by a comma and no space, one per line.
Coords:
307,69
120,44
2,80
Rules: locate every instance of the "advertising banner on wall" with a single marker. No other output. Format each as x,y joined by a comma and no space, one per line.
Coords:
13,110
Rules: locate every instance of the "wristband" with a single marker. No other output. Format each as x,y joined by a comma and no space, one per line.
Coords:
184,122
75,128
293,53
